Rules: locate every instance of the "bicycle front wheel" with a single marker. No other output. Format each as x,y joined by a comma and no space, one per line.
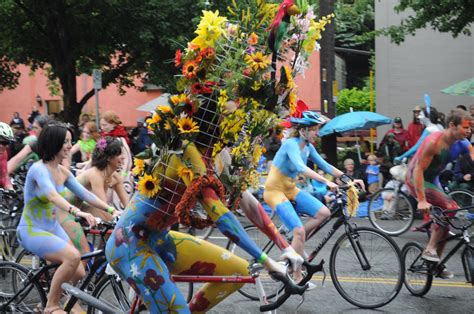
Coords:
462,197
14,279
418,278
394,216
366,268
114,291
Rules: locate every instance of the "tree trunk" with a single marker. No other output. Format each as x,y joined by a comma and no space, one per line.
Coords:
328,107
67,78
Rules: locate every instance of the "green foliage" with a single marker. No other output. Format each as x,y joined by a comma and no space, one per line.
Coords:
355,24
8,74
358,99
446,16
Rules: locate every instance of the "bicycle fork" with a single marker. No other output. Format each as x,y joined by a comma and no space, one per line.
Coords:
359,252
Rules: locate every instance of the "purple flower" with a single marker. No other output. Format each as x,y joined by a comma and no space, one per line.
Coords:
101,144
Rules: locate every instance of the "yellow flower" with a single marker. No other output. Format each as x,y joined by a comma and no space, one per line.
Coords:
256,85
292,102
155,119
257,153
148,186
290,83
164,109
185,173
209,29
167,125
187,125
178,99
139,166
257,61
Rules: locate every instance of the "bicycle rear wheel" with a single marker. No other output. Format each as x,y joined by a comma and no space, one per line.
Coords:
418,278
392,218
249,291
14,278
462,197
114,291
379,280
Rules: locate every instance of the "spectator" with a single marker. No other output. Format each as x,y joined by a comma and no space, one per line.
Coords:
401,135
17,144
372,171
140,138
415,128
351,171
17,120
463,173
390,148
34,113
441,120
86,145
111,125
462,107
471,108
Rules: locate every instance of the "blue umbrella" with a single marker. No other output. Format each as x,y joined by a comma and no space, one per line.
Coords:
358,120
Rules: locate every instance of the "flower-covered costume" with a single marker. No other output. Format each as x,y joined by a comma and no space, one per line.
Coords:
144,252
280,187
39,231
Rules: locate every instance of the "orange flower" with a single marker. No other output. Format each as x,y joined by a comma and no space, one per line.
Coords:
190,69
177,58
252,39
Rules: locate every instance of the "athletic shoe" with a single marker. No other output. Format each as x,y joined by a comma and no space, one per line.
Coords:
446,274
430,256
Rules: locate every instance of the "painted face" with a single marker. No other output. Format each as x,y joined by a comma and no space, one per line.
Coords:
105,126
67,145
463,130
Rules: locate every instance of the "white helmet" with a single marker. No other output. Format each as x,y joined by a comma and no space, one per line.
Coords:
6,132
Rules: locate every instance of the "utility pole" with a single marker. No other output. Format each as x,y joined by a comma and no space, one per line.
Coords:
328,107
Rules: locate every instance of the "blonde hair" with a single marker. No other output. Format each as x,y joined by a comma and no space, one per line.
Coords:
111,117
371,157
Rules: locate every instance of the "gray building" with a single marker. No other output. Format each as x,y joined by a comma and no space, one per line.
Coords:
424,63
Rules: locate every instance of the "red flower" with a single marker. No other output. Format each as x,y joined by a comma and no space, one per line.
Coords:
198,88
199,303
200,268
208,53
153,280
177,58
190,69
133,284
190,108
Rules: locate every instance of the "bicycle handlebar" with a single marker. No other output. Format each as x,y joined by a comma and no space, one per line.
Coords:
442,218
291,288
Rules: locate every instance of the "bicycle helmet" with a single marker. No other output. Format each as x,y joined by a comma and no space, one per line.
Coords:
6,132
308,118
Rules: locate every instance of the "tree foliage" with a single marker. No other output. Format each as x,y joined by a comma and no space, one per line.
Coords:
123,39
446,16
354,20
358,99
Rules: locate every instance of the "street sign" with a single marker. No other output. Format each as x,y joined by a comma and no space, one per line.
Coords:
97,79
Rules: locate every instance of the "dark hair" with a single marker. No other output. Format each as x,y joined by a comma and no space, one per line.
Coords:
51,140
42,120
433,115
101,154
462,107
457,116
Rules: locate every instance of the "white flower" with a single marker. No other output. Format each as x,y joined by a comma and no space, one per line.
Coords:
147,291
129,227
226,255
221,294
134,270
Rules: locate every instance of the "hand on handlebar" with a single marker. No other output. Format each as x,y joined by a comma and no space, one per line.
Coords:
89,218
117,213
332,186
360,183
293,258
424,206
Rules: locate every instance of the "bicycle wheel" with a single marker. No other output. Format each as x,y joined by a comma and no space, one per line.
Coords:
14,278
8,244
379,280
249,291
115,292
467,258
392,218
418,278
462,197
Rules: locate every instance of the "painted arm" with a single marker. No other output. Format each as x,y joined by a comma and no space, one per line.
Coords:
323,164
423,163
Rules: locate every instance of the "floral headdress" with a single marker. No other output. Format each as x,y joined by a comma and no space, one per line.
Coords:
229,59
101,144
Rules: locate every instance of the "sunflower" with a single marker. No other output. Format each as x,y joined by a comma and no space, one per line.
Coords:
185,173
148,186
164,109
167,125
292,102
179,99
139,166
190,69
187,125
257,61
155,119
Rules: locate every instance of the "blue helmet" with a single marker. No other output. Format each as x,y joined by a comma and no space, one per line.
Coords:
309,118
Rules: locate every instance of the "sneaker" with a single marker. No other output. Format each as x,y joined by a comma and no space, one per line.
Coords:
446,274
430,256
311,286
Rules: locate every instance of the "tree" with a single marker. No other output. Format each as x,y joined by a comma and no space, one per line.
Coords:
353,22
446,16
71,37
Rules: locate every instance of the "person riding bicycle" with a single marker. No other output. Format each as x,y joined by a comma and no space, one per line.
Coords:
6,137
280,187
436,151
38,230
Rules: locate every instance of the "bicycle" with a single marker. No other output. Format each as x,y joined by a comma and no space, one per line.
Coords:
126,304
419,272
24,289
370,252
